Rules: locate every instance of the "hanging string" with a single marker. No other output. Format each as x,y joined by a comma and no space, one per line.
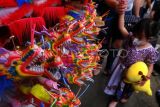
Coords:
52,105
105,14
84,91
55,100
77,93
13,42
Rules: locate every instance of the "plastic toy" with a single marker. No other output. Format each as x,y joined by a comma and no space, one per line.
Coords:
67,53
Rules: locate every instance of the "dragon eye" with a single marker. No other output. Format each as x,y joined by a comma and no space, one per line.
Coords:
15,62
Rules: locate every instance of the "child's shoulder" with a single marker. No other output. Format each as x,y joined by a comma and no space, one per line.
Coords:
151,50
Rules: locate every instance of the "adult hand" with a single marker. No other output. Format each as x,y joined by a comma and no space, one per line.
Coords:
121,7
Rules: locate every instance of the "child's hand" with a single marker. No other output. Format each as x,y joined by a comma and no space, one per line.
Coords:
121,8
141,83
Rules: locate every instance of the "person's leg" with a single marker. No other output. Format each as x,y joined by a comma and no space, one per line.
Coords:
127,92
158,96
122,94
137,7
113,104
118,95
115,99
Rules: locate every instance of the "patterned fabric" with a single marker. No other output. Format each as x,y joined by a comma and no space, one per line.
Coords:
116,77
124,90
148,55
130,21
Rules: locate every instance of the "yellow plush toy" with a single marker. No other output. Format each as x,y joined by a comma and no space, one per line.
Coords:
136,73
145,88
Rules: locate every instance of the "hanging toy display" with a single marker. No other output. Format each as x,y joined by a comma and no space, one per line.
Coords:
42,70
28,63
75,43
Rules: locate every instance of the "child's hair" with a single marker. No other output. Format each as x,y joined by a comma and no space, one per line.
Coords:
147,27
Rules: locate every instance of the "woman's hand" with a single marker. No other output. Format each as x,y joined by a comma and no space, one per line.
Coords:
121,7
121,11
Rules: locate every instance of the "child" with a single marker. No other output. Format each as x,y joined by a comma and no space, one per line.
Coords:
138,49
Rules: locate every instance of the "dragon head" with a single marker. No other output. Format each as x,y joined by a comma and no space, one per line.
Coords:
31,62
7,58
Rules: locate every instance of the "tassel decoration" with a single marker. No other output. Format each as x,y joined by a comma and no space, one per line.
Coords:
22,28
8,3
52,15
18,14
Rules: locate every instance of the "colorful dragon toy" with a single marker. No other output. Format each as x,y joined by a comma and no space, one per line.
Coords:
21,65
68,51
72,44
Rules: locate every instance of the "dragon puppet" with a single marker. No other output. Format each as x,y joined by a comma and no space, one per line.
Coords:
67,51
44,13
72,43
28,63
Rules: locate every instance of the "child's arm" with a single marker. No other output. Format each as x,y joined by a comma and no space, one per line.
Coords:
150,70
121,26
